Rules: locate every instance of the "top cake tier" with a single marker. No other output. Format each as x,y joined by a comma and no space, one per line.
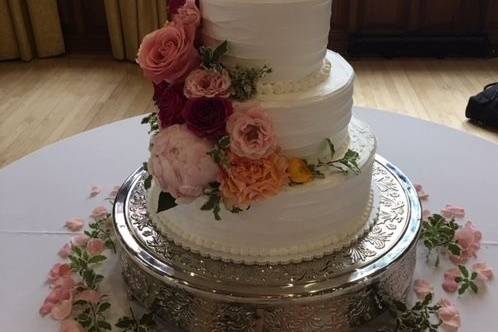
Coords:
290,36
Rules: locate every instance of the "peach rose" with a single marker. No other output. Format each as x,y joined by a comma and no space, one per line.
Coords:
168,54
180,164
469,240
207,83
247,181
251,132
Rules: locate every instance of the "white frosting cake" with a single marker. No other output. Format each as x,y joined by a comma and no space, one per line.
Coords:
309,98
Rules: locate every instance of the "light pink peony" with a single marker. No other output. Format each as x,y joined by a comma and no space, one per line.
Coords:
80,240
168,54
88,295
59,270
99,213
449,315
189,16
180,164
70,325
75,224
420,192
469,240
66,250
452,211
95,247
449,283
422,288
207,83
251,132
483,270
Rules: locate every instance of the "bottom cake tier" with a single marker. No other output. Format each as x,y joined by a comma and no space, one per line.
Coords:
337,292
301,223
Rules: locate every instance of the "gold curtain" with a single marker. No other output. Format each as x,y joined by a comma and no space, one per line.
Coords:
129,21
30,28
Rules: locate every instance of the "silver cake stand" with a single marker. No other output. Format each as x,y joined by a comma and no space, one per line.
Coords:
338,292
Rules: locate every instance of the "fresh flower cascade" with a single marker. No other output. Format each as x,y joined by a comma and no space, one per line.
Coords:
209,138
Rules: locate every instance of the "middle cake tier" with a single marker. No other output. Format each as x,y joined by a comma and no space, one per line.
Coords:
306,112
302,222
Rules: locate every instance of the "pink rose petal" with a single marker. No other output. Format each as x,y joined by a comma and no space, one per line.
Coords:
422,288
449,283
70,325
95,247
95,191
420,192
452,211
75,224
469,240
114,192
66,282
59,270
449,315
62,310
89,295
46,308
80,240
483,270
99,213
65,251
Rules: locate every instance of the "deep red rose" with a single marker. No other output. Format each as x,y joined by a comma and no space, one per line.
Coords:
170,103
207,117
174,5
159,89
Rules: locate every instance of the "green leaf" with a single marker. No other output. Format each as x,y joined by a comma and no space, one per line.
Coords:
125,322
104,325
221,50
148,182
474,287
224,142
145,166
331,147
166,202
473,276
104,306
454,249
464,271
148,320
97,259
462,289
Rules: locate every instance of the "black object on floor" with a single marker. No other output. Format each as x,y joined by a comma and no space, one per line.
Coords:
483,107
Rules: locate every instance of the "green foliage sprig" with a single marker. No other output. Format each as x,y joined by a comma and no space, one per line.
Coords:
101,229
348,163
148,179
220,151
421,317
466,281
153,121
214,200
93,316
439,233
131,324
211,58
244,81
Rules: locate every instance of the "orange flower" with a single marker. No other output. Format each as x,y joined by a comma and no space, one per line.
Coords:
299,171
248,180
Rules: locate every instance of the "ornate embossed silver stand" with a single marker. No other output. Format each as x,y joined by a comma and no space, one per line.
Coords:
335,293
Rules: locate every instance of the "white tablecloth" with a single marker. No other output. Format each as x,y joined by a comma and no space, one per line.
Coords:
39,192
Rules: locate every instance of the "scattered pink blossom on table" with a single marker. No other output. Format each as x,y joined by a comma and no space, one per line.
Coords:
55,297
59,270
469,240
452,211
449,315
422,288
88,295
62,310
66,282
95,190
426,213
70,325
483,270
180,164
99,213
65,251
420,192
251,132
207,83
95,247
80,240
450,285
75,224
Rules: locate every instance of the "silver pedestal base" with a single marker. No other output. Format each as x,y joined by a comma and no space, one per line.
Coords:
335,293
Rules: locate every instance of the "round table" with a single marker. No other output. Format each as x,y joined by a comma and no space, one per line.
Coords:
42,190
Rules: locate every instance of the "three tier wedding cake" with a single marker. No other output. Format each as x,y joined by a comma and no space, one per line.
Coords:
255,156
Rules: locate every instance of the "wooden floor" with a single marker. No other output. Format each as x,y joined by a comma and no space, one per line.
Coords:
46,100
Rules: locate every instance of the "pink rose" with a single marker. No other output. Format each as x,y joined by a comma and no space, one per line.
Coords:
170,104
62,310
99,213
207,117
180,164
70,325
95,247
75,224
469,240
66,250
449,315
55,297
88,295
189,16
452,211
168,54
80,240
95,190
450,285
420,192
65,282
59,270
483,270
251,132
207,83
422,288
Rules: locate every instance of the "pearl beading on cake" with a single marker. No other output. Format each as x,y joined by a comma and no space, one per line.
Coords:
289,86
